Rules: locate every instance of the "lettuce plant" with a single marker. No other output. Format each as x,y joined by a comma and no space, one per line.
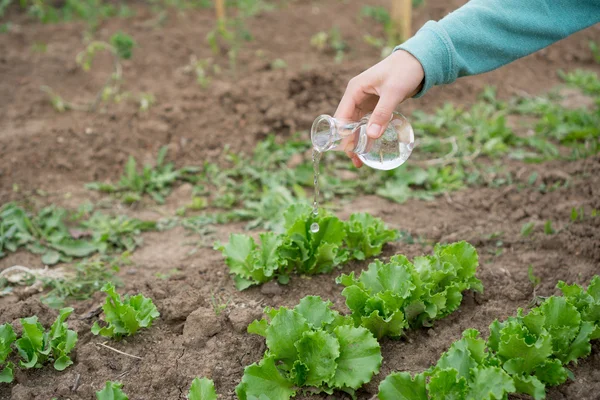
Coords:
300,250
36,346
111,391
125,317
202,389
390,297
523,354
7,338
310,346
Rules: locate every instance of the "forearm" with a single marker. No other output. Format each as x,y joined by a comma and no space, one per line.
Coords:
486,34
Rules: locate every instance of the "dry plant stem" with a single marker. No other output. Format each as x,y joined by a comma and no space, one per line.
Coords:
76,384
19,268
119,351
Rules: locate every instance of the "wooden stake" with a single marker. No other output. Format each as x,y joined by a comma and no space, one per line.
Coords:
220,10
402,18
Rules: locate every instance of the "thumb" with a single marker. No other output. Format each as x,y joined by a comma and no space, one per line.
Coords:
382,114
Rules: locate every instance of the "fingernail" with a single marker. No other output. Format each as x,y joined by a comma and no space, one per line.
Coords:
373,130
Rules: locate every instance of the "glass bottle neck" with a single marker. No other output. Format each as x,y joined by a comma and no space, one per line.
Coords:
328,133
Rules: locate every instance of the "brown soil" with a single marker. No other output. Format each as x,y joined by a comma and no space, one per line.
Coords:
59,153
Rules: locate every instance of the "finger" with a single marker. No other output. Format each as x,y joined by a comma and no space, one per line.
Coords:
348,108
382,114
356,161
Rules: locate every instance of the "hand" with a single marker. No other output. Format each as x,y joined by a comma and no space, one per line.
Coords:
379,90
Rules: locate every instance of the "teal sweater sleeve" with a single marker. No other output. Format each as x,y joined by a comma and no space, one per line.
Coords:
483,35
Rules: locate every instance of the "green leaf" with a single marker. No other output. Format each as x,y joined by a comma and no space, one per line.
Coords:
530,385
527,229
580,347
75,248
459,359
401,386
111,391
62,363
287,327
392,326
202,389
359,358
6,374
562,322
259,327
264,381
446,385
515,342
490,383
7,338
51,257
318,351
366,235
551,372
317,312
33,332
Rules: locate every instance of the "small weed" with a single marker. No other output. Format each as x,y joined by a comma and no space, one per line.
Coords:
548,229
156,181
527,229
166,275
146,101
89,277
219,304
595,49
330,41
39,47
229,36
577,214
535,280
121,47
202,69
278,63
52,234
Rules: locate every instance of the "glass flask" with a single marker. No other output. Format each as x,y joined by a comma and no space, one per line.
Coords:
387,152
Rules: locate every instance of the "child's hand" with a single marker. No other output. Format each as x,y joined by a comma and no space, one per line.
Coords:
379,90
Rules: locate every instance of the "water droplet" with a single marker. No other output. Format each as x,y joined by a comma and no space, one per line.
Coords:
314,228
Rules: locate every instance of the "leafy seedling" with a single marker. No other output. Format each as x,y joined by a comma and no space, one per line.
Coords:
390,297
527,229
202,389
310,346
121,48
301,250
124,317
111,391
36,346
218,303
548,229
595,49
7,338
88,278
156,181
